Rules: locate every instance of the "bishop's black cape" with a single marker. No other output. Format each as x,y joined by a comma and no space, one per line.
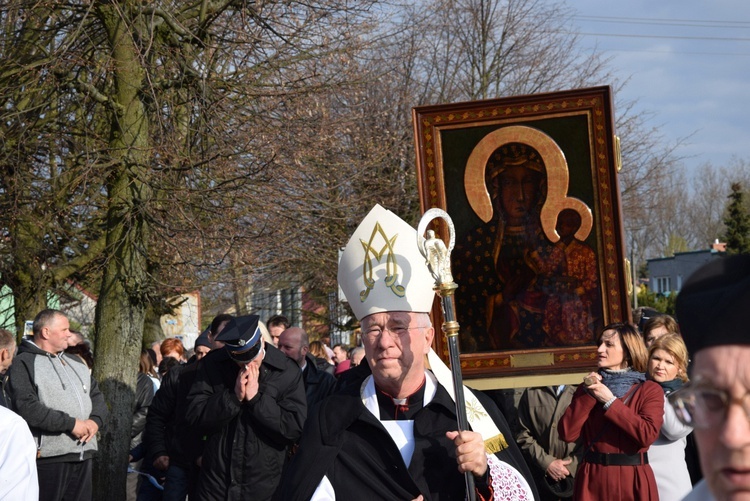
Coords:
346,443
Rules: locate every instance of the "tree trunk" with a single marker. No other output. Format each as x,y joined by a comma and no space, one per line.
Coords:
29,298
122,302
152,330
28,279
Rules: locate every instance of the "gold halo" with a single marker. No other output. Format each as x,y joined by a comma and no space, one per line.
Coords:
557,178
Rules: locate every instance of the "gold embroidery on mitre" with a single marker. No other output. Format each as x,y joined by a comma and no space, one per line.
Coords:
495,444
390,264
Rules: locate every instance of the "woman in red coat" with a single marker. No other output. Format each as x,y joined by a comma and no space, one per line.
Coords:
618,414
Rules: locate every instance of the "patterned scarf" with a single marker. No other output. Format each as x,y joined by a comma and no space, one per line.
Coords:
620,381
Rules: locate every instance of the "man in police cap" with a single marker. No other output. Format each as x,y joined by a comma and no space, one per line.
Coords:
712,309
249,399
396,435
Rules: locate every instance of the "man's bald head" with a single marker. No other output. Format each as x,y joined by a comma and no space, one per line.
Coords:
294,343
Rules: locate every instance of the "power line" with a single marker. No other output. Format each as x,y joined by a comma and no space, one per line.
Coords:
740,54
702,23
671,37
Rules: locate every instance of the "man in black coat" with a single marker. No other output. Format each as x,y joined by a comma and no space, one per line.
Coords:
249,399
396,436
294,343
174,447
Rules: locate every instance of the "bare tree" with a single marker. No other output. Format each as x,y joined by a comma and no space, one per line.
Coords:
180,110
221,143
50,193
480,49
648,192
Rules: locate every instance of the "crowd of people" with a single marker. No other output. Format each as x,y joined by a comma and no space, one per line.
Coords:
618,417
256,413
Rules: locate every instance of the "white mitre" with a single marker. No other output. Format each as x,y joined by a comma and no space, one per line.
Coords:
381,268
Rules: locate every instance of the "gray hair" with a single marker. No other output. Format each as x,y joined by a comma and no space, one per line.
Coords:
44,318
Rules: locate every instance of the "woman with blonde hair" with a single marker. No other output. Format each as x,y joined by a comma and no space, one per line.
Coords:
617,414
322,360
667,365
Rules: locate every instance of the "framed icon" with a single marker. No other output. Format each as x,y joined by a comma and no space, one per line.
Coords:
531,185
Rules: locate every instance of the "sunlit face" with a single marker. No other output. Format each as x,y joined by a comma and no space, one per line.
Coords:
610,353
655,334
725,449
201,351
519,188
662,366
57,334
396,354
339,354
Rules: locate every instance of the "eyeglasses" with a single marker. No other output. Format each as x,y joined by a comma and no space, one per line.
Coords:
702,406
374,333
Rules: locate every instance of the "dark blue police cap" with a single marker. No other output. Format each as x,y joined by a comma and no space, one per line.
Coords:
242,338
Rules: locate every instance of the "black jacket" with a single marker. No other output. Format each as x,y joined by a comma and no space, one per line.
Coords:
167,431
350,381
318,384
346,443
323,366
144,394
247,441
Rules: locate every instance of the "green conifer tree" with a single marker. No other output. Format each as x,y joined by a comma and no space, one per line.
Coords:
737,222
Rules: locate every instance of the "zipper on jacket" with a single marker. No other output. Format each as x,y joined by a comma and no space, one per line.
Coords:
78,395
70,379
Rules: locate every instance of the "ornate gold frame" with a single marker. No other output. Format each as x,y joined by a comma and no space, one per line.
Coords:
574,133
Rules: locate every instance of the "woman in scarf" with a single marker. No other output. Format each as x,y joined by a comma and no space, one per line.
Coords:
618,414
667,365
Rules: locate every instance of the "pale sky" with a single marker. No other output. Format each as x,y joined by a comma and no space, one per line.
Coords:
688,62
